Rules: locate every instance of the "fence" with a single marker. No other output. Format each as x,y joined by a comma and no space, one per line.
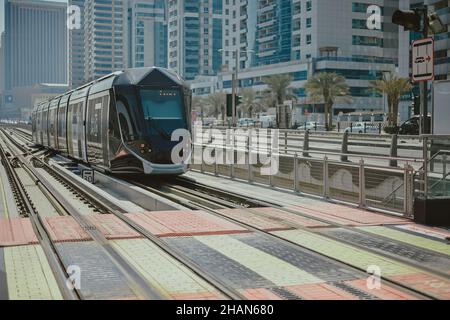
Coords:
306,143
367,185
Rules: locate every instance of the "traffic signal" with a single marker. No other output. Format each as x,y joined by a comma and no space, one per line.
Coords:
238,101
416,105
410,19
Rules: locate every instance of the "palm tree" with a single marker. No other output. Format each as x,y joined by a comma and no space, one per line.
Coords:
248,101
327,86
393,86
279,86
215,102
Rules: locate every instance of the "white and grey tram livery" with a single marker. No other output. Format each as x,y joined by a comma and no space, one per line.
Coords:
121,123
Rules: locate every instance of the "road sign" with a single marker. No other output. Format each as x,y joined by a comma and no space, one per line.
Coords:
88,175
423,60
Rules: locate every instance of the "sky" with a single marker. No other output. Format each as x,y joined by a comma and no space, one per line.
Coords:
2,11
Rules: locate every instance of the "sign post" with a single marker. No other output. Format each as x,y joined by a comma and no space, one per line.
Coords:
423,60
423,71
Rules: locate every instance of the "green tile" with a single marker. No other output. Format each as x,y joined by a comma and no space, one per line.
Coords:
164,273
405,237
29,275
345,253
276,270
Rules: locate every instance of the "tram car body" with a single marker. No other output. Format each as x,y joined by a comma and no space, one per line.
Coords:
120,123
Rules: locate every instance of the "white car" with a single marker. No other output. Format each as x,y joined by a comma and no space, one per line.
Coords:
362,127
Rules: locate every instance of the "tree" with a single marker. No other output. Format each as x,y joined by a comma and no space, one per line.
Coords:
279,87
216,103
327,86
393,86
248,101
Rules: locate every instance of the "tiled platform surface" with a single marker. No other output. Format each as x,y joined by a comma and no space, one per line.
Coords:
184,223
261,268
408,251
28,274
169,277
436,286
67,229
271,219
100,278
346,215
16,231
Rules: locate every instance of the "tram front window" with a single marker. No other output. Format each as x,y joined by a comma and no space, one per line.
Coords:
163,111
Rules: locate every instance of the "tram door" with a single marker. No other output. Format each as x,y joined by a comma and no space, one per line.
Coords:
96,130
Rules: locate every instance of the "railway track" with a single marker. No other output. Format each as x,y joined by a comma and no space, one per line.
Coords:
105,206
197,200
201,197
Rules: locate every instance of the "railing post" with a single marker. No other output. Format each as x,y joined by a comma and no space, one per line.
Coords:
285,142
444,173
344,149
296,180
270,174
202,169
306,144
362,185
409,190
393,152
325,178
425,167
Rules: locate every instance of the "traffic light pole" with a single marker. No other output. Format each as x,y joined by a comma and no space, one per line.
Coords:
424,85
235,88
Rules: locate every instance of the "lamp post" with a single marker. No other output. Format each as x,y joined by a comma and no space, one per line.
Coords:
235,80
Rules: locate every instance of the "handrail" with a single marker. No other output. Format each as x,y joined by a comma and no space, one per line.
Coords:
301,150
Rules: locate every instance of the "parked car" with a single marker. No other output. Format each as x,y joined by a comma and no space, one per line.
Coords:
362,127
412,126
312,126
246,122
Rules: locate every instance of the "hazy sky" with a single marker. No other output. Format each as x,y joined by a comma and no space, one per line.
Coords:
2,11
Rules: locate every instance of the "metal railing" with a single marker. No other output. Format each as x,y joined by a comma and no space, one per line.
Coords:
368,185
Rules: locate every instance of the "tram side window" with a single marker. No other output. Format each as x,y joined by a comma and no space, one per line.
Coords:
94,129
62,121
127,113
114,138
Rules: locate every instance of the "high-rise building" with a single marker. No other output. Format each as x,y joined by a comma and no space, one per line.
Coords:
35,43
354,38
147,33
2,64
274,31
195,37
76,47
239,33
2,69
105,37
442,44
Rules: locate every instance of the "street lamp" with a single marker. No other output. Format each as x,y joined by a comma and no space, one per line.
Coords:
235,80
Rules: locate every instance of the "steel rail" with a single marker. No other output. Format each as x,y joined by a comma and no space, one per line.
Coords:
333,224
50,250
196,206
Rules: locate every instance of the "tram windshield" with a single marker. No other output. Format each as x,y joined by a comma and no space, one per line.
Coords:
163,111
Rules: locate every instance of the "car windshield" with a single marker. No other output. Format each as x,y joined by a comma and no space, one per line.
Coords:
163,111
